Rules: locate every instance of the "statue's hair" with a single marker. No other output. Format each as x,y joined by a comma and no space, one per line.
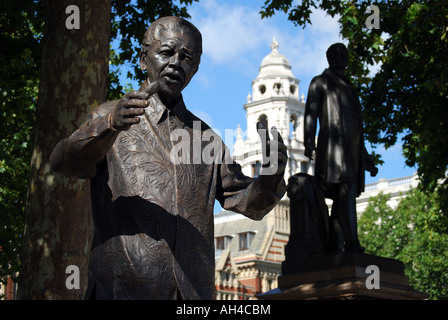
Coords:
171,23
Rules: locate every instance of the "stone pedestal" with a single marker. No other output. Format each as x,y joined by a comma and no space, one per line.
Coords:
343,276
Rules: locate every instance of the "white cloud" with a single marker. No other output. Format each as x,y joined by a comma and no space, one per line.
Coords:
203,79
236,36
231,33
322,23
306,49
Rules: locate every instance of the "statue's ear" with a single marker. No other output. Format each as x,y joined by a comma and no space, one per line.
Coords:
142,57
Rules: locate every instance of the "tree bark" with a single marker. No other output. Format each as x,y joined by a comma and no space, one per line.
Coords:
58,228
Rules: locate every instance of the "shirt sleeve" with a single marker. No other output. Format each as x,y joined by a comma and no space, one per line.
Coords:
79,154
252,197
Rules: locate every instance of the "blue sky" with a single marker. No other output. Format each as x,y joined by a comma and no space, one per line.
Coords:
235,40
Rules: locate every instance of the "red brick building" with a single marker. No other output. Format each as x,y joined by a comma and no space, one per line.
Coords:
8,291
249,253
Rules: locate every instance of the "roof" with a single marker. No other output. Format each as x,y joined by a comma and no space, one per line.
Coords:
232,224
275,63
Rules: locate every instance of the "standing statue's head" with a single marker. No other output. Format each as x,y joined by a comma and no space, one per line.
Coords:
337,56
171,53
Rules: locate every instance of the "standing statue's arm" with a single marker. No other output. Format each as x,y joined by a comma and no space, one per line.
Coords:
313,105
369,165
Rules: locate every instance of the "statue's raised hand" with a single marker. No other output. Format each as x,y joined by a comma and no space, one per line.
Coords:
274,151
131,106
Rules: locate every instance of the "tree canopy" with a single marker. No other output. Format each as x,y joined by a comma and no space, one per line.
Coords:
412,234
20,53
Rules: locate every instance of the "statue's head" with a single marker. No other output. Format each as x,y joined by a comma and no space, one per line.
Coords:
171,53
337,56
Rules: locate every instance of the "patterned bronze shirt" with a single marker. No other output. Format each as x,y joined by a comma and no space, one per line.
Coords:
152,202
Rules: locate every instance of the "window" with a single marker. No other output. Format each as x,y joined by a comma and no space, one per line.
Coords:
277,87
256,169
292,124
292,89
303,167
262,88
222,242
264,120
269,284
245,239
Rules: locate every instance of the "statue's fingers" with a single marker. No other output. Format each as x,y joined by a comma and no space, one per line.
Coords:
260,128
137,103
276,134
265,140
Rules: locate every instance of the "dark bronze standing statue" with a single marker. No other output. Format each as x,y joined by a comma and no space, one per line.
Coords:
341,157
153,214
323,257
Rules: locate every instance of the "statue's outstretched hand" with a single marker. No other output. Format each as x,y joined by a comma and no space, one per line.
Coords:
274,151
131,107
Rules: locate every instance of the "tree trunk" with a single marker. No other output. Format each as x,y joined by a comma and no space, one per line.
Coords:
58,227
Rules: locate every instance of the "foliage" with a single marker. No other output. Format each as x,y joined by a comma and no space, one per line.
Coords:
409,93
21,26
412,234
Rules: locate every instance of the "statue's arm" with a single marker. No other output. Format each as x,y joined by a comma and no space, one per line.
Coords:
369,165
312,108
252,197
79,154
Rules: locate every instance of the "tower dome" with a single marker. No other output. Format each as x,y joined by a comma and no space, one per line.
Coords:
275,63
275,77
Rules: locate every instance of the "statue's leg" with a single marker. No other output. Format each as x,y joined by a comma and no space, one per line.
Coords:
345,206
336,235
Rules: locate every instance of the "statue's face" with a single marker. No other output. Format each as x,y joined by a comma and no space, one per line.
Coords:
172,59
339,58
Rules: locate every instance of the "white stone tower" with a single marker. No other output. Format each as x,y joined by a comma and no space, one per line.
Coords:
275,101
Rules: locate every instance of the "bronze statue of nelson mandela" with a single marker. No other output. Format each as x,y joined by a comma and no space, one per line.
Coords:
153,216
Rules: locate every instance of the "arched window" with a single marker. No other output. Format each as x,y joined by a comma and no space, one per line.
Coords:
277,87
263,119
292,124
292,88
